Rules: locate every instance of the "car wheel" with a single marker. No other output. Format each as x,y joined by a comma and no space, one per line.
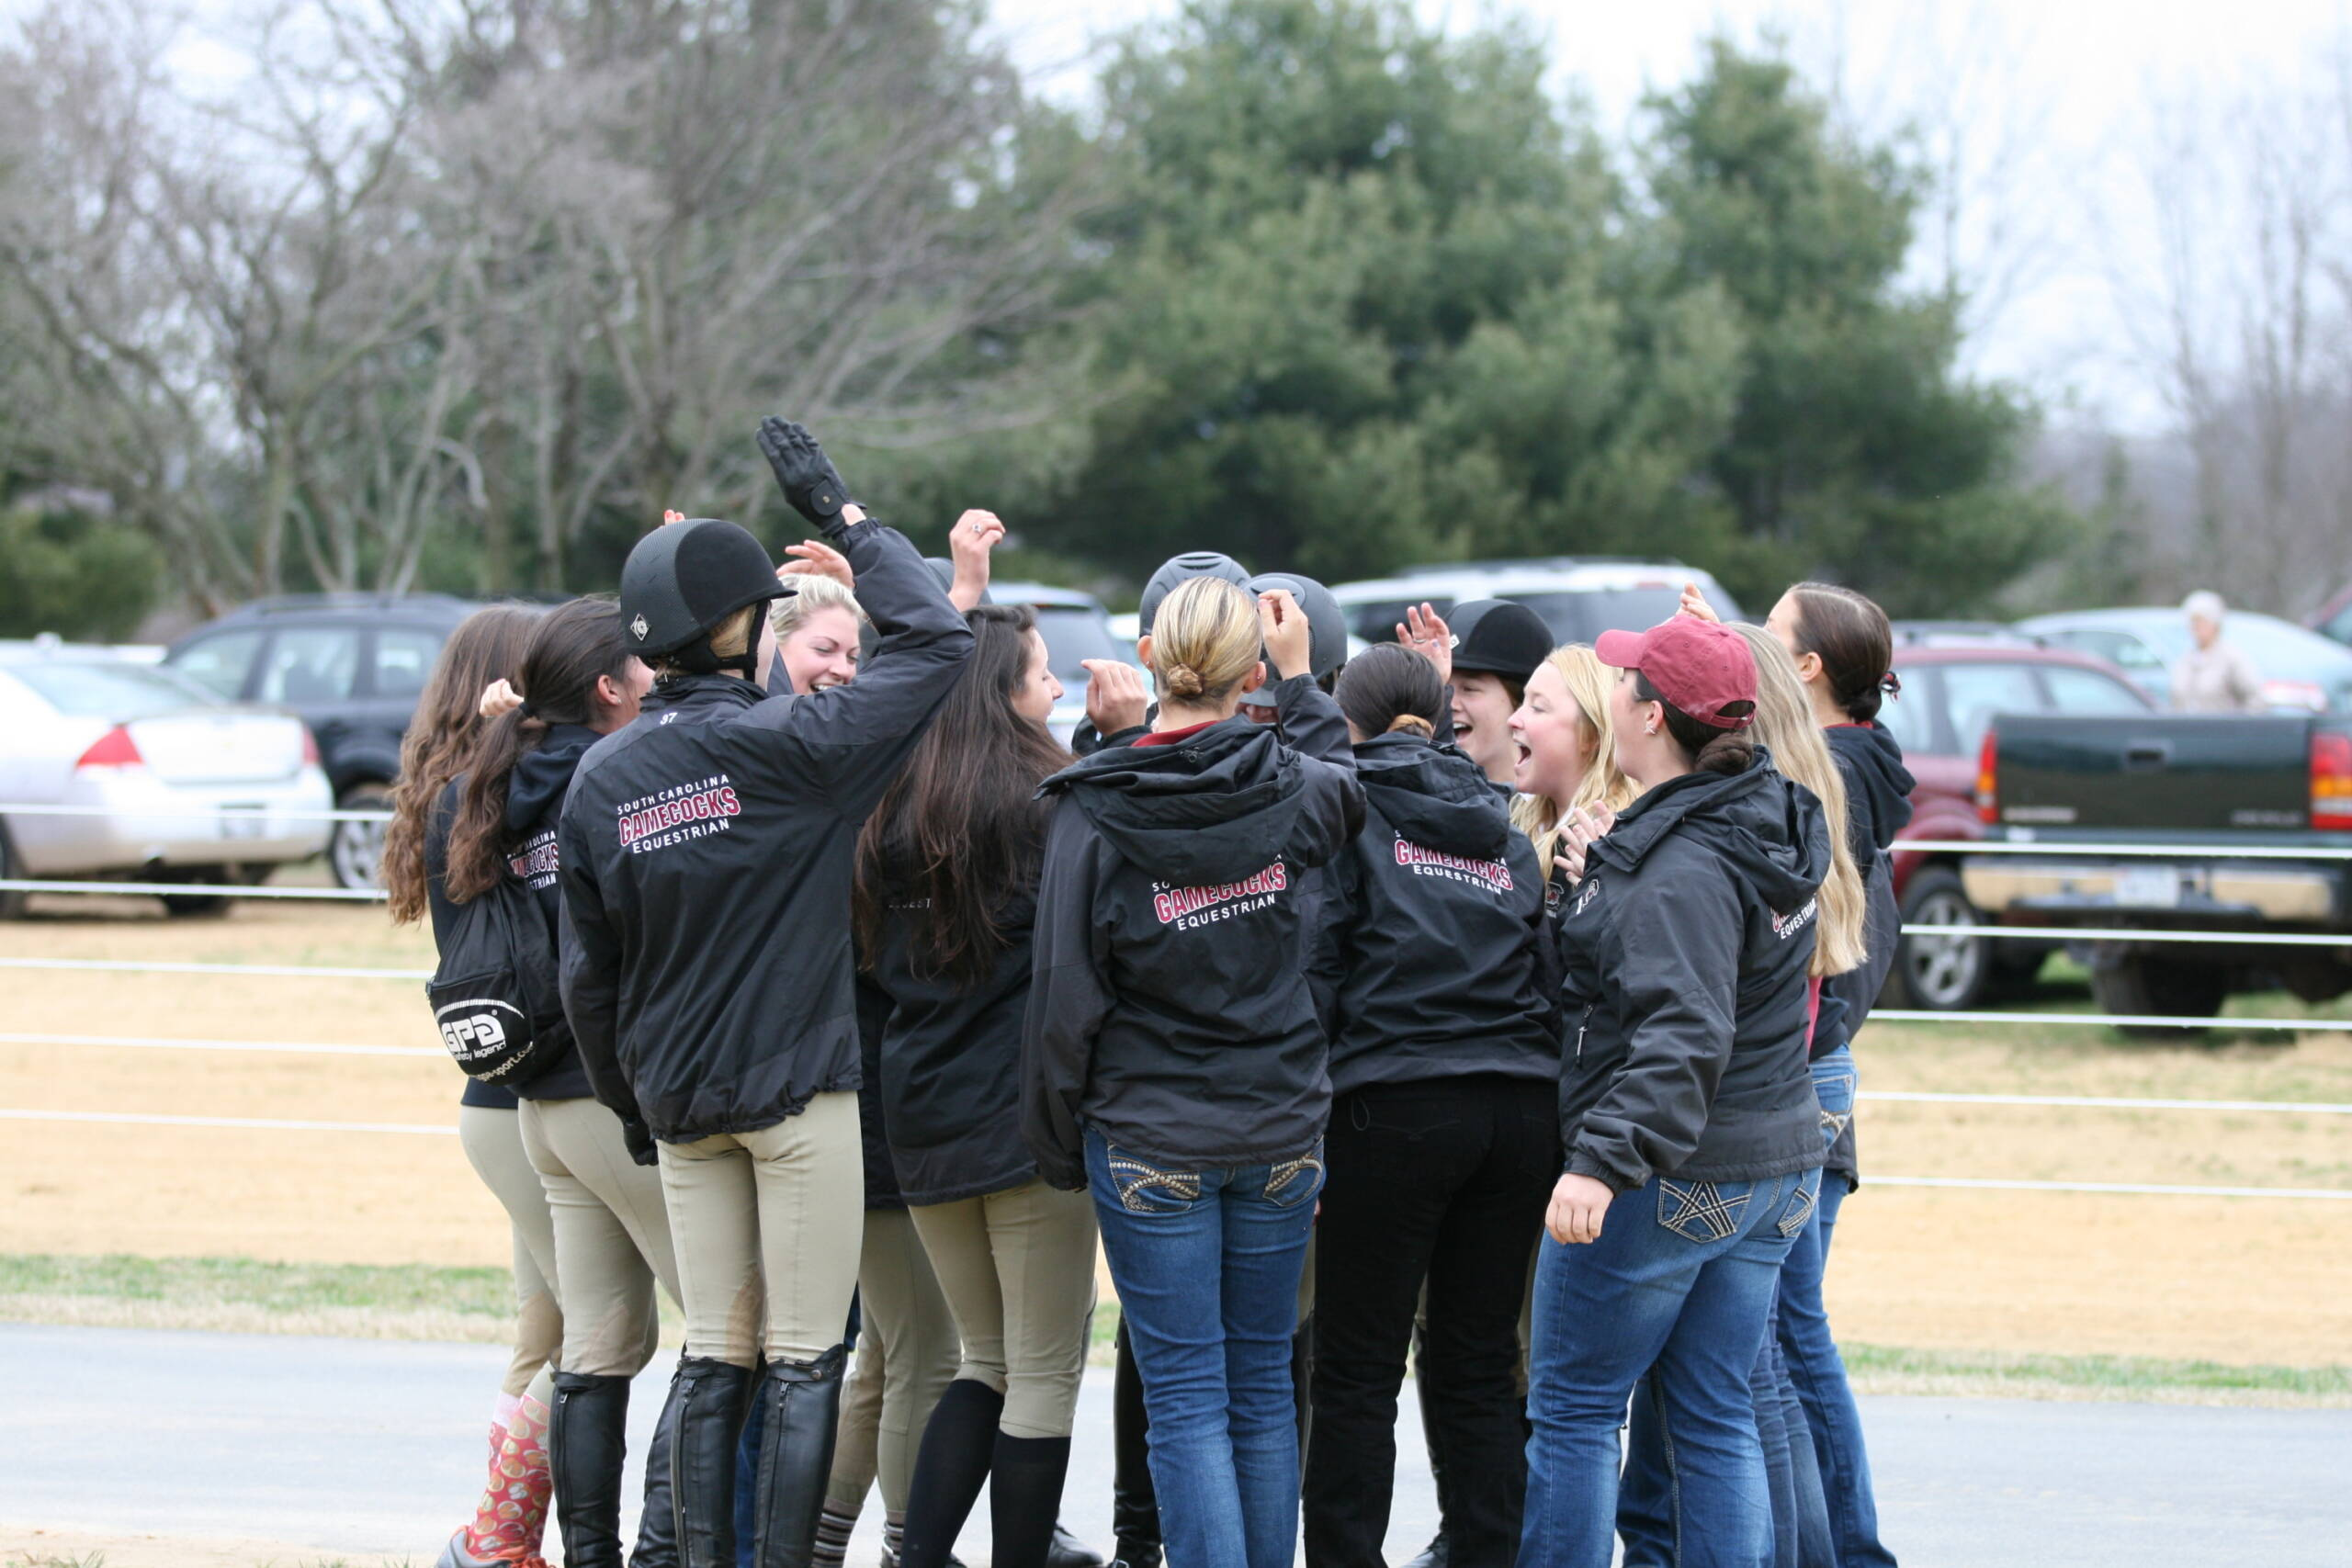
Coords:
1940,974
2151,986
355,849
12,903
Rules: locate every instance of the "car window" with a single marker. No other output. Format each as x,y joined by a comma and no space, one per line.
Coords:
220,662
403,660
1910,716
312,664
1974,695
1583,616
119,692
2338,626
1375,620
2087,691
2120,648
1073,634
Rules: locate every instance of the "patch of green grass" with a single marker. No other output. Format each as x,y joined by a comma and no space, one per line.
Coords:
95,1560
2107,1374
270,1286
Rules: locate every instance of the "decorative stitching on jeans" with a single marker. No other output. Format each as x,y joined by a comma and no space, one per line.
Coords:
1133,1178
1800,1214
1701,1210
1280,1176
1834,1125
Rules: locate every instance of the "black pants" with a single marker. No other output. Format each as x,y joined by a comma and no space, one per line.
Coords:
1444,1180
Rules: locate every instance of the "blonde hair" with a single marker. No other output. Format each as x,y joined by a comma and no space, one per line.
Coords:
1204,638
810,594
1785,725
1539,818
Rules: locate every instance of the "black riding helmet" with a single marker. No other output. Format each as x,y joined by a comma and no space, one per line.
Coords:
683,580
1499,637
1175,571
1327,624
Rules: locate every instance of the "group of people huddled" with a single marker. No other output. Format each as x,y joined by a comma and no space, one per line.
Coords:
1472,1003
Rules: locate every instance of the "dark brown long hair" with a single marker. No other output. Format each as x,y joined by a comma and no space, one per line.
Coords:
1387,687
1856,644
572,645
1712,750
486,647
962,830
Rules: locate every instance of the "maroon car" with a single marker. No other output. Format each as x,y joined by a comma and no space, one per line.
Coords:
1957,678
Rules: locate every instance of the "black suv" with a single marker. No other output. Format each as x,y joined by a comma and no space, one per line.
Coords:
353,666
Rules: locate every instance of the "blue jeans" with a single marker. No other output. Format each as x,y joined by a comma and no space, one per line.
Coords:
1648,1514
1814,1365
1207,1262
1679,1285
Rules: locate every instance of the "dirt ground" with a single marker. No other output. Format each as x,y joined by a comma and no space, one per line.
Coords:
42,1548
2236,1281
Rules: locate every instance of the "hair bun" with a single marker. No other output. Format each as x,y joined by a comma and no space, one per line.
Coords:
1412,724
1183,680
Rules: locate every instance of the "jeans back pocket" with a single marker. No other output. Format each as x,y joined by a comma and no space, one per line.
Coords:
1145,1189
1703,1210
1798,1212
1293,1182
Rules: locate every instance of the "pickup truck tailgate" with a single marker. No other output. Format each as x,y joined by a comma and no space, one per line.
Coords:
2177,772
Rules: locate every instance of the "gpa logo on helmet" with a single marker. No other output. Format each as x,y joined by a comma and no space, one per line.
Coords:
639,628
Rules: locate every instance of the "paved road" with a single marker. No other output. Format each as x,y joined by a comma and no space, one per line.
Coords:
370,1446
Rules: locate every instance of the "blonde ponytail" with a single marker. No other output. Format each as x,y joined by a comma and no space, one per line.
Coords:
1204,638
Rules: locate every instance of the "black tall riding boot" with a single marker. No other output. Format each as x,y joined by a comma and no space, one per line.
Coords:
657,1522
705,1414
801,1407
1024,1498
587,1441
1134,1501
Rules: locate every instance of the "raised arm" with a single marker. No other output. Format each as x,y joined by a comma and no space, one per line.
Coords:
856,736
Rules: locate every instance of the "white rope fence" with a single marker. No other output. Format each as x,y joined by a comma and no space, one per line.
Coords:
205,813
2054,933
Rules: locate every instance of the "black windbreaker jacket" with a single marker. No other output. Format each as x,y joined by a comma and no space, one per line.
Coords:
881,1181
1434,957
707,852
951,1063
1684,953
534,792
1169,1005
1878,806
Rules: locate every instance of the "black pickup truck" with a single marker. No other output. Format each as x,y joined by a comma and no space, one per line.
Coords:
2243,798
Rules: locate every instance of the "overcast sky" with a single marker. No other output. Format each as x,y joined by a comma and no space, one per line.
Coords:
2053,99
2054,102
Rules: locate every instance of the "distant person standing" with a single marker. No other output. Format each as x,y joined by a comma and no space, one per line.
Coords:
2213,676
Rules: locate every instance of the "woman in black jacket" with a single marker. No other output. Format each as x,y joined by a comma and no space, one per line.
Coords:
1174,1061
1692,1135
1445,1138
578,682
706,854
486,647
946,900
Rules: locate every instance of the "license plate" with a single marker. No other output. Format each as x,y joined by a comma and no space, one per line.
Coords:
244,822
2148,886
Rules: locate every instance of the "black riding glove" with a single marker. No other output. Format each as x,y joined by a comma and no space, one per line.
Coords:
806,475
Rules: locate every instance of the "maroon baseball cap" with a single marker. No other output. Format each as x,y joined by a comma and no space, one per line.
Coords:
1704,668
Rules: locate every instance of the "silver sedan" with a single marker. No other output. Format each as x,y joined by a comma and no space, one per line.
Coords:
168,782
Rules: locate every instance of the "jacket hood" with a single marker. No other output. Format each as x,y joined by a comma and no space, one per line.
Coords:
1434,796
534,789
1878,787
1214,807
1770,831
